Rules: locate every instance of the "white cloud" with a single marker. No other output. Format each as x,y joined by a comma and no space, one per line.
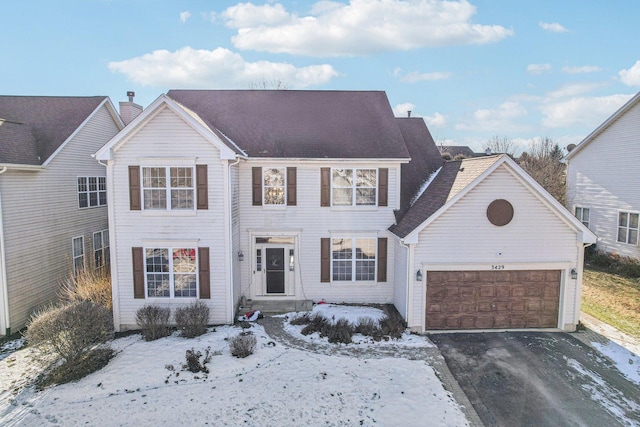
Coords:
499,120
581,111
575,89
184,16
358,28
415,76
218,68
581,70
631,77
553,27
538,68
436,121
401,110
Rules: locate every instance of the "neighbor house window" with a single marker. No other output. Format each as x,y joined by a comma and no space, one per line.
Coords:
628,227
583,215
274,186
101,256
353,259
92,191
171,272
354,187
169,188
77,250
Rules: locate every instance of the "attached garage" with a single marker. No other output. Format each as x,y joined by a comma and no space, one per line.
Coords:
492,299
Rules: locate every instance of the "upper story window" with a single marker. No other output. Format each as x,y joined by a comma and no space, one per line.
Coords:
77,251
170,188
628,227
101,255
274,186
583,215
171,272
354,187
92,191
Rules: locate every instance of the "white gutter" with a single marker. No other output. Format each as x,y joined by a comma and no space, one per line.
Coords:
19,167
5,323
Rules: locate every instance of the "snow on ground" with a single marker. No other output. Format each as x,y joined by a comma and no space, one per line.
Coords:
628,363
276,386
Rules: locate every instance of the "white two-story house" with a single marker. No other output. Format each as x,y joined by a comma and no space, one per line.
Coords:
293,197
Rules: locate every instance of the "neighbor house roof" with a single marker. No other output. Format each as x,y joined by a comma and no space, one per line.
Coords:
454,150
425,159
300,124
615,116
32,128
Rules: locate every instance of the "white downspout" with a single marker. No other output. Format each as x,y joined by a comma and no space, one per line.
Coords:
231,302
5,322
409,280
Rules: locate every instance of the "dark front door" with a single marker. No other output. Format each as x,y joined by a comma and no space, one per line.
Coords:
274,267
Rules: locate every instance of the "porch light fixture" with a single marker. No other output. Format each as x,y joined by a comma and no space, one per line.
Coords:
240,255
419,276
574,273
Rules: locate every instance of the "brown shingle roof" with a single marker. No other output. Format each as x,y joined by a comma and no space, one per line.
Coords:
32,128
300,124
454,177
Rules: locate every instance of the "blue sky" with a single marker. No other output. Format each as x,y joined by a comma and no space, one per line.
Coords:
472,69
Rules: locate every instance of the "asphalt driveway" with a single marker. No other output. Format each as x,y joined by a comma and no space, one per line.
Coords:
539,379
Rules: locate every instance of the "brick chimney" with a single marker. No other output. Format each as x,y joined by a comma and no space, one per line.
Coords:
129,110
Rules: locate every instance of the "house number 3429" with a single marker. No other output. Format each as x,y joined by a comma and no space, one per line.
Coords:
497,267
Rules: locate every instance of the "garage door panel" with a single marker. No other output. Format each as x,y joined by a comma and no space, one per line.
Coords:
492,299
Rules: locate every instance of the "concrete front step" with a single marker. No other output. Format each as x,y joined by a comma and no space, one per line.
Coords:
276,306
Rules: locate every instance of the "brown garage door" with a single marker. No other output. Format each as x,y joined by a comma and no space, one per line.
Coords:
492,299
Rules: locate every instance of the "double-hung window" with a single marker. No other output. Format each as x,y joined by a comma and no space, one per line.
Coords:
354,187
628,227
583,215
77,250
92,191
170,188
353,259
274,186
171,272
101,256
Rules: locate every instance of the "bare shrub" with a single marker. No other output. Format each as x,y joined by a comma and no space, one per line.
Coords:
88,285
368,327
193,360
243,344
70,330
341,332
302,319
154,321
392,324
192,320
317,323
89,363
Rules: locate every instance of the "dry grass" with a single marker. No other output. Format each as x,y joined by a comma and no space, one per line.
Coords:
613,299
89,285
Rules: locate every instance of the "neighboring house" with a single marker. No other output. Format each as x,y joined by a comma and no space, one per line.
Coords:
603,177
53,214
287,197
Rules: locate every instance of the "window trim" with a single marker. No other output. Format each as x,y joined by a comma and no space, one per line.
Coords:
168,188
581,215
88,191
354,260
75,257
171,273
104,249
628,228
354,188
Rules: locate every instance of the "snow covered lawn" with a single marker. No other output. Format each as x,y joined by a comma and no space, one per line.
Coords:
276,386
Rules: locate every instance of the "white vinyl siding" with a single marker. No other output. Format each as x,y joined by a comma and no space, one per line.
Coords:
608,182
48,200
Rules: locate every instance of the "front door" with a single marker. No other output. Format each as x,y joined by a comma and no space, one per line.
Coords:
275,270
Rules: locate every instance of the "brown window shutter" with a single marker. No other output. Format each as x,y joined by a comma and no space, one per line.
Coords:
382,259
292,199
325,259
383,186
256,180
325,186
204,274
202,187
134,188
138,272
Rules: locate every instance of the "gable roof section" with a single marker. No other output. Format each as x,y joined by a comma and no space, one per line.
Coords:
300,124
455,179
615,116
425,159
33,128
228,150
